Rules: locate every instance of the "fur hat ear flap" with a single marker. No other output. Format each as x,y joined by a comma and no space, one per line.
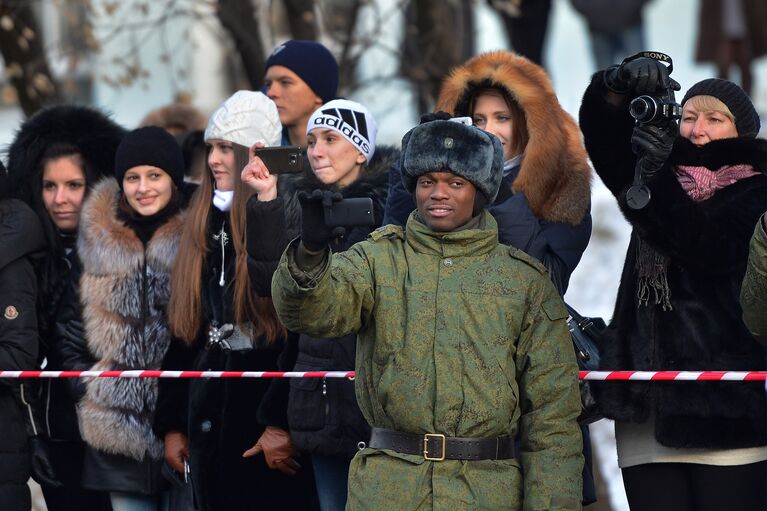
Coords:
449,146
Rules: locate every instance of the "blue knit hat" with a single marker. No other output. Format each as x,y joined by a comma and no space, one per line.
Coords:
312,62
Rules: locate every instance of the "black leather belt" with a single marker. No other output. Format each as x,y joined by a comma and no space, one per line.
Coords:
438,447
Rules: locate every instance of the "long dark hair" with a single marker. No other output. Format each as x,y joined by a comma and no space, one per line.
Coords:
255,315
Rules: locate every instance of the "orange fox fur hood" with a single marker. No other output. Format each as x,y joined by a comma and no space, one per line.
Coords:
555,175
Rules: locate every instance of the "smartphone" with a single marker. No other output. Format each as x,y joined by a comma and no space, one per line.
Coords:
282,160
350,213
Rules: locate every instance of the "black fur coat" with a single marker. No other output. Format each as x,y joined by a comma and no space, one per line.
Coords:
706,245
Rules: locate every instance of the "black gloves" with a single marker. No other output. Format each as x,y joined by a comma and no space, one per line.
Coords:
652,145
42,468
639,76
315,235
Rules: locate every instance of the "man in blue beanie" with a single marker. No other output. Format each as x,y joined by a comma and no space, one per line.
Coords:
300,76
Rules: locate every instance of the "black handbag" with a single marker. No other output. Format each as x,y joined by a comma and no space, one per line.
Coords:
585,333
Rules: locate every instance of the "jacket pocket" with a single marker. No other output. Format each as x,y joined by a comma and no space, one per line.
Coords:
309,403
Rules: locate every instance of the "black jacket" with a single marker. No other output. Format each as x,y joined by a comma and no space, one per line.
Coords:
706,244
221,416
21,242
322,413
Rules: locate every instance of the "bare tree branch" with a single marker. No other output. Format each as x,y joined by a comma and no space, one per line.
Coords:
239,19
25,61
301,18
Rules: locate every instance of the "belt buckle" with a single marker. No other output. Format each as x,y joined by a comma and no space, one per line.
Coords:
426,438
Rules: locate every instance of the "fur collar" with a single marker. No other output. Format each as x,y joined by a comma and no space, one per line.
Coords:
554,176
106,245
718,153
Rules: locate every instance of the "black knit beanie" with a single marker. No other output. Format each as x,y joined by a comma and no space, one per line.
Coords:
312,62
746,119
151,145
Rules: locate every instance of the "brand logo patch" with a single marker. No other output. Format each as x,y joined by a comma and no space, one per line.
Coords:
11,312
350,123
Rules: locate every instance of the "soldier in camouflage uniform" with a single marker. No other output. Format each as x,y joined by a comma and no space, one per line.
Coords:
462,342
753,294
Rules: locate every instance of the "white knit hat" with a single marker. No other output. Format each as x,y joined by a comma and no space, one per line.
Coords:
349,118
245,118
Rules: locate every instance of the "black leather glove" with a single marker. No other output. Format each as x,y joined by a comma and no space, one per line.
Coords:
652,145
42,468
639,76
315,235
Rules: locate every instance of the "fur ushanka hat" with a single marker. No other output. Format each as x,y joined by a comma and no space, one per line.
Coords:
466,151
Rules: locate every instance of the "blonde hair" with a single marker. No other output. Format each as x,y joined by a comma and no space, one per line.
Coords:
705,103
255,315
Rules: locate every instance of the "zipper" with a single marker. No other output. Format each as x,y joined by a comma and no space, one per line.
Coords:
325,397
144,302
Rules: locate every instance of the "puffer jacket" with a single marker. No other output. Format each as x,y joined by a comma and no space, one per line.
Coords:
124,289
458,335
21,244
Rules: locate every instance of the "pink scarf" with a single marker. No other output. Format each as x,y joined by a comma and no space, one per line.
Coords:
701,183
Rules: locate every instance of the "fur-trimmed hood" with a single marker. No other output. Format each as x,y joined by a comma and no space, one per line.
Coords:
373,182
88,129
124,289
555,175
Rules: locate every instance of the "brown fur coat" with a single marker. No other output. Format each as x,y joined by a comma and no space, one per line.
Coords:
555,176
124,290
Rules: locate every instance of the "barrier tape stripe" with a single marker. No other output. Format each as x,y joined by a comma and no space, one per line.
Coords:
583,375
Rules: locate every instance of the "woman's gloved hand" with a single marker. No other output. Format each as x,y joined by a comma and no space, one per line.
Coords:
42,468
652,145
278,450
640,76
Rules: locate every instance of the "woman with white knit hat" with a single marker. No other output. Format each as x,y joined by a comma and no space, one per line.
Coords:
222,320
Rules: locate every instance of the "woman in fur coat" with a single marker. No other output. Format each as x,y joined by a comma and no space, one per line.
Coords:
129,237
543,204
695,445
323,415
54,160
221,320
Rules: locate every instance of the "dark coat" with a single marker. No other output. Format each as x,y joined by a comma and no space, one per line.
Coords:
221,416
124,290
21,242
53,401
706,244
323,415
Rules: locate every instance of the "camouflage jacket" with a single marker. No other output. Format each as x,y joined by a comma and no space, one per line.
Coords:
458,335
753,294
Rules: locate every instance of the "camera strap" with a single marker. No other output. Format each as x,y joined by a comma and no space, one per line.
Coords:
655,55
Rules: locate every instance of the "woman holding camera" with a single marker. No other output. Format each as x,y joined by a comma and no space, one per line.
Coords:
323,415
700,445
221,321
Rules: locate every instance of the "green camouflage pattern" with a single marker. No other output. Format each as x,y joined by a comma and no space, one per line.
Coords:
457,335
753,294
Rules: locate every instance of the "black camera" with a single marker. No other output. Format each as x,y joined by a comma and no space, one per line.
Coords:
656,110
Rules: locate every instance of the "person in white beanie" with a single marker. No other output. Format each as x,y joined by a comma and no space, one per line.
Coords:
324,419
221,319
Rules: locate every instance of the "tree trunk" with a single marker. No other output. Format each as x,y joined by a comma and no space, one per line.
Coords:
26,64
301,18
340,21
438,37
239,18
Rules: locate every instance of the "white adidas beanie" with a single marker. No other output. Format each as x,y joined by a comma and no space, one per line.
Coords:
349,118
245,118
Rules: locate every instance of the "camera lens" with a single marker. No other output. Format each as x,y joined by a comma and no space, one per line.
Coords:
293,159
643,108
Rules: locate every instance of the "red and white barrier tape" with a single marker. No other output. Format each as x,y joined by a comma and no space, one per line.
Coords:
139,373
583,375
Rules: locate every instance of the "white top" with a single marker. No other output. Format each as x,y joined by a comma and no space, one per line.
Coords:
637,446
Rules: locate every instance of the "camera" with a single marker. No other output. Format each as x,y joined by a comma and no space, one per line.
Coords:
658,111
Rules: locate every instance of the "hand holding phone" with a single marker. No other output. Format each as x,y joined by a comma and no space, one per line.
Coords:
281,160
257,176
